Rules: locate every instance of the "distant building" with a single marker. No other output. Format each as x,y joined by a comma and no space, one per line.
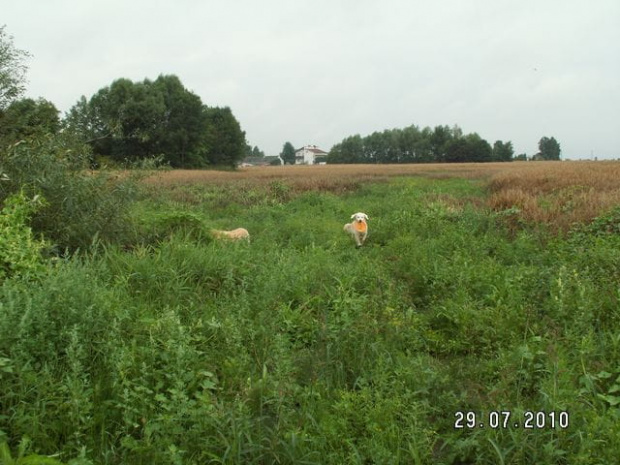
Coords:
310,155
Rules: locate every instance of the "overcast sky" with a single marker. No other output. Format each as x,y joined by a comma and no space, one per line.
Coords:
315,72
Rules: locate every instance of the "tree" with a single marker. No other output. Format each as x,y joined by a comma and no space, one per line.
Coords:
440,138
134,112
502,151
130,120
424,147
288,154
350,150
115,121
179,134
253,151
12,70
26,118
82,122
411,146
225,141
373,149
479,149
456,151
469,148
549,148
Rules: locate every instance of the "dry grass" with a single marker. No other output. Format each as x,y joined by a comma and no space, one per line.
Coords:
557,194
553,193
285,182
320,177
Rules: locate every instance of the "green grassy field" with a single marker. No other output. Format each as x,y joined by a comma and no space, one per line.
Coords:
299,348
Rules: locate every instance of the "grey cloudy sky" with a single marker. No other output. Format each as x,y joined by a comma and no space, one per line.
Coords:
315,72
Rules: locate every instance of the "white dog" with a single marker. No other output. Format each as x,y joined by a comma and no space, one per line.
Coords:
358,228
234,235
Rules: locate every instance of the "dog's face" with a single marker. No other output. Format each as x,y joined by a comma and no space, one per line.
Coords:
359,217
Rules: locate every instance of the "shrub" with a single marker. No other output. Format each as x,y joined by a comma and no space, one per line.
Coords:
80,204
607,223
162,225
20,251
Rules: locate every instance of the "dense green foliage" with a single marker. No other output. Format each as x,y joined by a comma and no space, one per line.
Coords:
136,120
503,151
224,138
27,118
300,348
80,205
415,145
20,251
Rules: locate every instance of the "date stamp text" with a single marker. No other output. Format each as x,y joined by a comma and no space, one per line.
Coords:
502,419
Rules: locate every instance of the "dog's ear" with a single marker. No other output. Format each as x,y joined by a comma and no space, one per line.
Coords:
353,216
366,216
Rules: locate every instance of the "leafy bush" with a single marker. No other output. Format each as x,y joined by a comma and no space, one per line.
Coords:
81,205
20,251
608,223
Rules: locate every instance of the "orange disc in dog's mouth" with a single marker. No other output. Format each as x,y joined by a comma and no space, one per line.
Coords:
360,226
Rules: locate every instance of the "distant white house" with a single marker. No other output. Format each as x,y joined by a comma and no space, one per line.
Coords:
310,155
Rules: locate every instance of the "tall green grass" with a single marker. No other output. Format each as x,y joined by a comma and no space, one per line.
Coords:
300,348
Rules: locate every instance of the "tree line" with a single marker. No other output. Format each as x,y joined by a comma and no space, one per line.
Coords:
442,144
415,145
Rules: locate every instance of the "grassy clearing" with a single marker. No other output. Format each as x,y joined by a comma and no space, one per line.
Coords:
299,348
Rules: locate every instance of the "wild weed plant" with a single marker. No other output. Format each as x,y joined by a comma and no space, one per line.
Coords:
20,250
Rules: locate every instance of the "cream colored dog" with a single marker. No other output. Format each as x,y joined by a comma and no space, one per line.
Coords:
358,228
234,235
